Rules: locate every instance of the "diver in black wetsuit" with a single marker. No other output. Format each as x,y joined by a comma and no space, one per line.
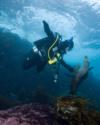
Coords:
48,50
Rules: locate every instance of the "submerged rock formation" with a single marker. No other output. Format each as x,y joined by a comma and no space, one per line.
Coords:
76,111
29,114
67,111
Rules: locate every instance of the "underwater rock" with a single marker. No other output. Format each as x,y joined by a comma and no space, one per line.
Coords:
75,111
69,111
28,114
6,103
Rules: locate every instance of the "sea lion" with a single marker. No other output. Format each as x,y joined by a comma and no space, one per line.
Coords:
80,74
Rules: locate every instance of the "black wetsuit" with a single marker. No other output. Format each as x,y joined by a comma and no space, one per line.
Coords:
43,45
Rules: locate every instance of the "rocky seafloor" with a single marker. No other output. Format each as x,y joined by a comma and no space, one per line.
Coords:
28,114
40,114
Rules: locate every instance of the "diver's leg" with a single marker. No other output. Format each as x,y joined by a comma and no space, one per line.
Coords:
42,61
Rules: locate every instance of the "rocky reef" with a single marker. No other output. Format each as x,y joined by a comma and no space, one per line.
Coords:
76,111
66,111
28,114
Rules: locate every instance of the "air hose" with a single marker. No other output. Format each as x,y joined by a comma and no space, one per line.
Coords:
50,59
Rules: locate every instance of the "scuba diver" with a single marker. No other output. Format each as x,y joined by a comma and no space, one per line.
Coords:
49,50
80,74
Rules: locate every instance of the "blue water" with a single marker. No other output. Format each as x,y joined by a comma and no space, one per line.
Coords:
21,21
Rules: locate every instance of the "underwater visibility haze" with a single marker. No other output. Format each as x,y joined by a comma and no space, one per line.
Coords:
21,24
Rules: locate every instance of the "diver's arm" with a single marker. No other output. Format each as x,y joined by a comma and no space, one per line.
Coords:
47,29
67,66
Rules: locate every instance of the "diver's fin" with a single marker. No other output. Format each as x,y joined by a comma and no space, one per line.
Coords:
47,29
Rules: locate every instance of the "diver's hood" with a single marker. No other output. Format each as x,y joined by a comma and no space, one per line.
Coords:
66,44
